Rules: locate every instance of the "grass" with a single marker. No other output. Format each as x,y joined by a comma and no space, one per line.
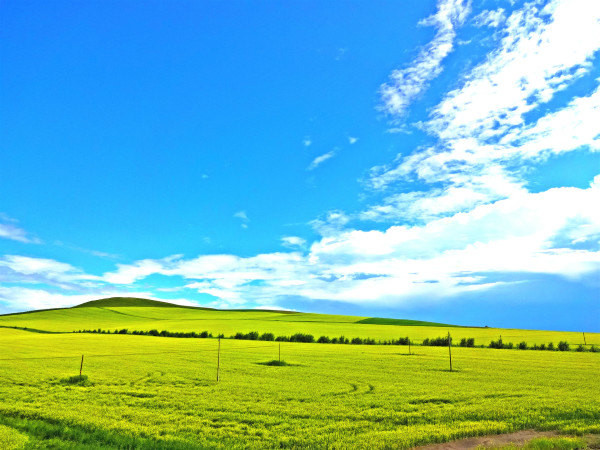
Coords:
119,313
152,392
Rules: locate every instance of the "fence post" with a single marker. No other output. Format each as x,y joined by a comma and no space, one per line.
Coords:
584,342
280,352
409,346
81,366
218,359
450,351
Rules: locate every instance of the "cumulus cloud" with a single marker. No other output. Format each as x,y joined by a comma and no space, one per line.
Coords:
406,84
528,233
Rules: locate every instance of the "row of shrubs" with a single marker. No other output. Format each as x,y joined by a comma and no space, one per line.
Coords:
562,346
301,337
163,333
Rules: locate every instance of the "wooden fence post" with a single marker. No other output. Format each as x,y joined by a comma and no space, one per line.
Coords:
450,350
81,366
218,359
584,342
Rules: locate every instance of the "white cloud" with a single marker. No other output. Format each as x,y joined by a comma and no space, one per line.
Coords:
243,217
490,18
553,232
307,142
13,232
320,160
406,84
484,137
41,270
25,299
293,241
352,140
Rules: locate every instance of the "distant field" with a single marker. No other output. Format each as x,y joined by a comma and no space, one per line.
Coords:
107,315
152,392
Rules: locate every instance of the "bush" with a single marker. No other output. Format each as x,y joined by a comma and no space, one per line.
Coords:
580,348
301,337
275,362
500,344
594,349
252,336
550,346
467,342
267,337
343,340
324,340
496,344
522,345
563,346
282,339
356,341
436,342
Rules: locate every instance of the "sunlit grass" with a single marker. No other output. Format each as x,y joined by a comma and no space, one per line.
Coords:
154,392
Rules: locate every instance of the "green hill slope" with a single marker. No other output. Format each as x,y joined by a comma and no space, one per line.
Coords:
121,302
144,315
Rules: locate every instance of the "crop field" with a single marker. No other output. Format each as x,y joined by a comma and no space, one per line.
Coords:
157,392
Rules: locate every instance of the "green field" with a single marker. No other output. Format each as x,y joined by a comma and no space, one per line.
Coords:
155,392
108,315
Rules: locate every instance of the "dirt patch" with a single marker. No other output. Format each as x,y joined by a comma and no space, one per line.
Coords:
493,440
499,440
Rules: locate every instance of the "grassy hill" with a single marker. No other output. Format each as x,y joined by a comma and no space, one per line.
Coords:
144,315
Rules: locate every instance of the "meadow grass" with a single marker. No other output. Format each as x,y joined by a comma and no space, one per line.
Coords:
176,319
153,392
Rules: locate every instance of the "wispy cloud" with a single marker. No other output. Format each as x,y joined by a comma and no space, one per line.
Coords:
307,141
243,217
320,160
10,230
405,85
490,18
352,140
484,136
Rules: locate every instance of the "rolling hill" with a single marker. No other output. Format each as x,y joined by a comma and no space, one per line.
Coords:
144,315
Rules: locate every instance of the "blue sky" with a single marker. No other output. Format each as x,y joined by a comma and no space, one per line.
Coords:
422,159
